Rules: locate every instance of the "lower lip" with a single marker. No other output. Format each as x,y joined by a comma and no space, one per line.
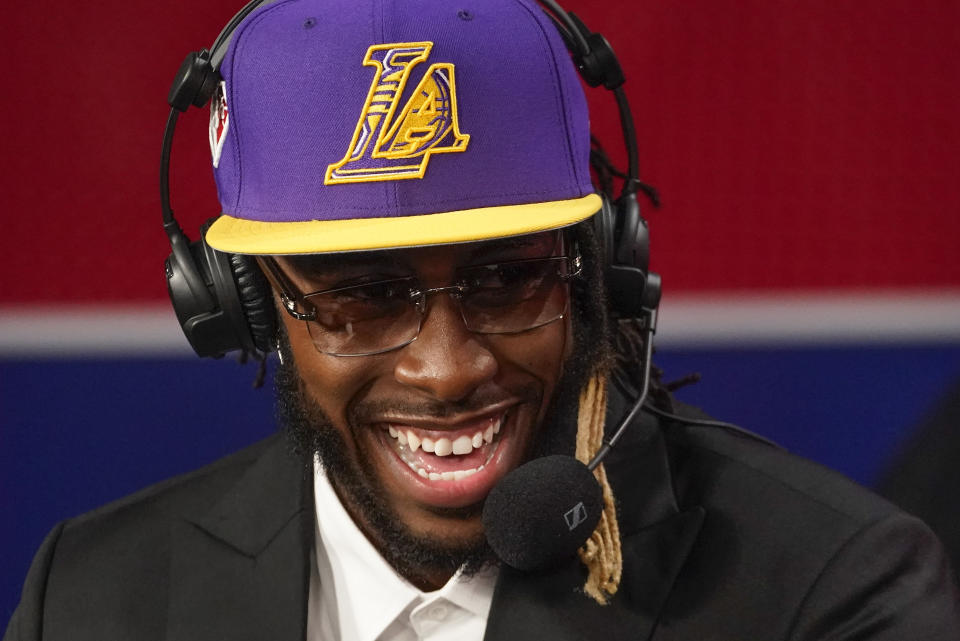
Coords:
455,493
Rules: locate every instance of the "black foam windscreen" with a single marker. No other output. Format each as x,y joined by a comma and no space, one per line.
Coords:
541,513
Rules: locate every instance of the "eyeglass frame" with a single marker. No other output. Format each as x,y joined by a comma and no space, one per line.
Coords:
291,297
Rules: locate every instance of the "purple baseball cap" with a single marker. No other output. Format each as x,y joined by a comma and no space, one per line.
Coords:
345,125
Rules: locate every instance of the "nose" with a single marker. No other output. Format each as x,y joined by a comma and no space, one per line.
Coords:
446,361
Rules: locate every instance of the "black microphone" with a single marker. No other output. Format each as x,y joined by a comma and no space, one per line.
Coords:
541,513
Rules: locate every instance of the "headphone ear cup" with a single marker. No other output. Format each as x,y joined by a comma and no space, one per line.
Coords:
243,298
254,294
604,223
194,301
632,237
222,300
625,251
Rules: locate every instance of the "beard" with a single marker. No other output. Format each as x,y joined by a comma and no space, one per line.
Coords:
311,432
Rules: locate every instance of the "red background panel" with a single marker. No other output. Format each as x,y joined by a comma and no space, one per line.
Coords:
796,145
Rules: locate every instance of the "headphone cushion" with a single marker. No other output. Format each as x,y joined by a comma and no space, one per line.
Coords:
604,224
256,301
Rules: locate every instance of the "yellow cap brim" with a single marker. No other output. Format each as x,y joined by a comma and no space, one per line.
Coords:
238,236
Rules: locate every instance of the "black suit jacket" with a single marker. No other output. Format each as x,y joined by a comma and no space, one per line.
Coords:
724,537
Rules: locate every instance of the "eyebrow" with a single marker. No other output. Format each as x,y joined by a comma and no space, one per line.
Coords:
516,242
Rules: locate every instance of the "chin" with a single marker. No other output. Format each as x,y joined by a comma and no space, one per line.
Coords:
417,540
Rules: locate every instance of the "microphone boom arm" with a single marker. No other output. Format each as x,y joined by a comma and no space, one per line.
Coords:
649,318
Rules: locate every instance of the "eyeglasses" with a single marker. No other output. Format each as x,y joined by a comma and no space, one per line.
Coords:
376,317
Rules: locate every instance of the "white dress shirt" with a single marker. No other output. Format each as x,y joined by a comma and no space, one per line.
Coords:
355,595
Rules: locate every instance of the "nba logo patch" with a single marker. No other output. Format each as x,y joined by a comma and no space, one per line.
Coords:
219,122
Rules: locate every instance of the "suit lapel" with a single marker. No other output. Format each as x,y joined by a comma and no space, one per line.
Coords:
551,605
656,540
241,570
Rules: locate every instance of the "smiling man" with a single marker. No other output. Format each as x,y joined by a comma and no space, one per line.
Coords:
459,318
418,396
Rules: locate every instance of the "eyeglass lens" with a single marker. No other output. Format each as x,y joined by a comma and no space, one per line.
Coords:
500,298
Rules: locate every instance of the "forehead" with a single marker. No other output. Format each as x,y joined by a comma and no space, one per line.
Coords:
515,247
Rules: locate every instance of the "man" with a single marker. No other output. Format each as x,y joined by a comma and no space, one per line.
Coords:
406,187
924,478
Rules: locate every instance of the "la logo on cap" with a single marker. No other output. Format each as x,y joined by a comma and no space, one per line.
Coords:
385,147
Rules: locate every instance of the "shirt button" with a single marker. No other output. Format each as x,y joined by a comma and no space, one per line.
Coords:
438,612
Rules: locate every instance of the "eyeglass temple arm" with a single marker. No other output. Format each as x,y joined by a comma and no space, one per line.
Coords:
291,299
576,263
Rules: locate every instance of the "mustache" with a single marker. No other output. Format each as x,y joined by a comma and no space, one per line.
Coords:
369,411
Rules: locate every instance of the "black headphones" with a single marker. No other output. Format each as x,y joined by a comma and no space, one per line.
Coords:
223,301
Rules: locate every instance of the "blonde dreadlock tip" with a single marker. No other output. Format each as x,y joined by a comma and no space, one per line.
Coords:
601,553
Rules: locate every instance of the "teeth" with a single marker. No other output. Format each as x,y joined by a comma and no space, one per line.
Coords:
463,445
443,447
455,475
460,446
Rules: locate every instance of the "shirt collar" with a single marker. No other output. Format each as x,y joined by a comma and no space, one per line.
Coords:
369,594
473,593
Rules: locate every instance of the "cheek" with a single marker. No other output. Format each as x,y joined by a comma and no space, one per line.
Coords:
540,353
331,382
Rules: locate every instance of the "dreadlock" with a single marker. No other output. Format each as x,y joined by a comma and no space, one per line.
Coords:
618,355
